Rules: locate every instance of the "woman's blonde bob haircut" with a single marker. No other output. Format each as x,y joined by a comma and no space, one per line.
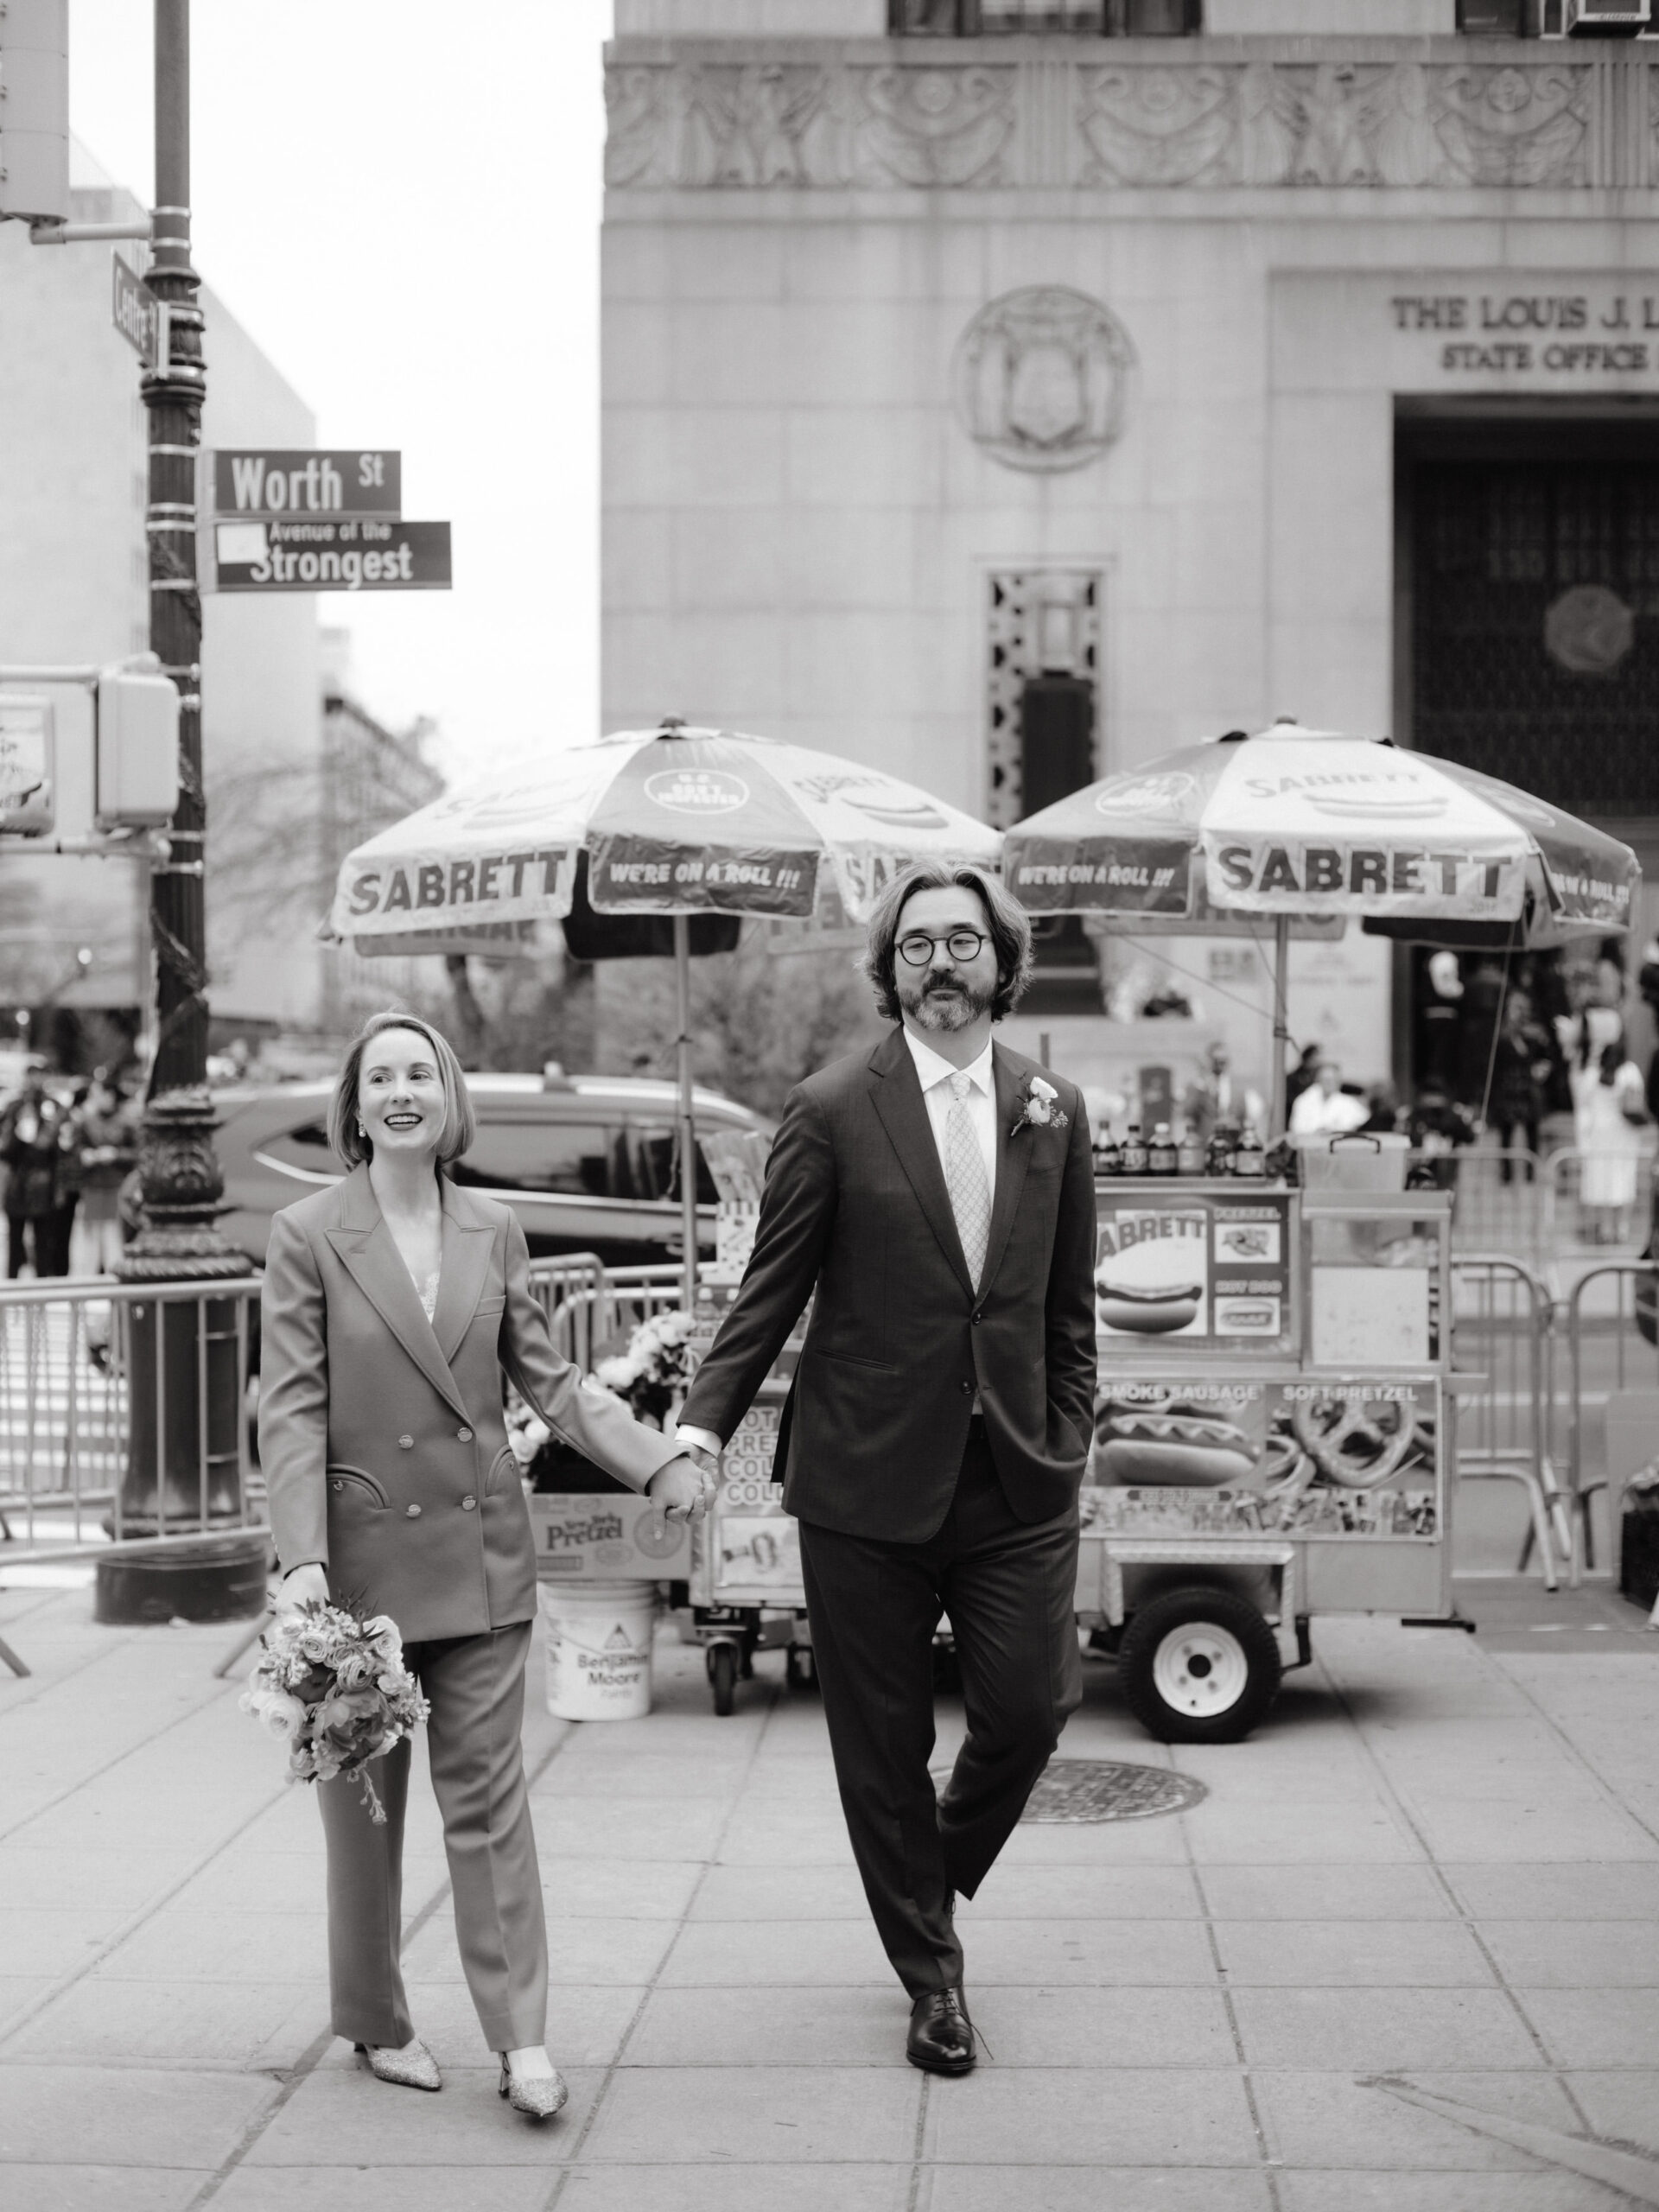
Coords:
460,1121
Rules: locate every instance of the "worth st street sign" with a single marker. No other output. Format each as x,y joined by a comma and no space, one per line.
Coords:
284,482
355,554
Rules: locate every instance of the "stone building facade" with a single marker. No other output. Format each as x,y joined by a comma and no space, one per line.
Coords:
1008,401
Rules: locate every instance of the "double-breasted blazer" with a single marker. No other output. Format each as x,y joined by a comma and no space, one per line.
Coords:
383,1435
901,1338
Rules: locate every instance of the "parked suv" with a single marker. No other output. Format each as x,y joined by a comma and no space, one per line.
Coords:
586,1162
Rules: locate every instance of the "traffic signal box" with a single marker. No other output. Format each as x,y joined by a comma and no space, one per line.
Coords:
35,110
79,760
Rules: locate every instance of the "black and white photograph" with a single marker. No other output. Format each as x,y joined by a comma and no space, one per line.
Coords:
829,1105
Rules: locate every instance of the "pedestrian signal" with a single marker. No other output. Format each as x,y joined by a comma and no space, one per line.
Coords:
35,110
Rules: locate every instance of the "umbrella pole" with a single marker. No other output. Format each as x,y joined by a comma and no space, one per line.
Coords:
688,1112
1281,1028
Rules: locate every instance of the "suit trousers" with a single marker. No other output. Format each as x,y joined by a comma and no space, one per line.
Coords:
1010,1590
476,1686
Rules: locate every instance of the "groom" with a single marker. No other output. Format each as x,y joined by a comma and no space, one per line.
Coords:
938,1196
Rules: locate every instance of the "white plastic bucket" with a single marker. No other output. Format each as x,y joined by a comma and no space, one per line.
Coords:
598,1649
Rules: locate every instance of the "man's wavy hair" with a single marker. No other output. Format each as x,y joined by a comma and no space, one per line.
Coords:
460,1123
1010,933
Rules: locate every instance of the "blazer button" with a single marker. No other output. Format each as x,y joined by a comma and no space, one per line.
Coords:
467,1503
413,1511
978,1317
967,1390
339,1485
464,1435
405,1444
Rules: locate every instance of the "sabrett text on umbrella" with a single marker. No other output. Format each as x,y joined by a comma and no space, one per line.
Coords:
453,883
1399,871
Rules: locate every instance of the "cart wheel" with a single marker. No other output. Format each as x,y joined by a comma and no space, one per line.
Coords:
722,1673
801,1669
1199,1667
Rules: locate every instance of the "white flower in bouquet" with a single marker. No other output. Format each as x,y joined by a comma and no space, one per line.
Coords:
335,1688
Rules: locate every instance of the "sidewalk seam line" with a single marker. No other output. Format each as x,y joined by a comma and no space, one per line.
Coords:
550,2202
135,1920
311,2057
1246,2071
1558,2074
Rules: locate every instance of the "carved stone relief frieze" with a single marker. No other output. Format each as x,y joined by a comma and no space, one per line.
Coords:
757,126
959,124
1334,123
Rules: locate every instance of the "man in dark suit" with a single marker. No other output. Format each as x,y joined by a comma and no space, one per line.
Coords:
937,1194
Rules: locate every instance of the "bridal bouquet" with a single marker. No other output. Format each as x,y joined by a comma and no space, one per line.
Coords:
336,1690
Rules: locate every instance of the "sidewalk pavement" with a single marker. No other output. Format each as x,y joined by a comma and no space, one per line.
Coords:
1438,1862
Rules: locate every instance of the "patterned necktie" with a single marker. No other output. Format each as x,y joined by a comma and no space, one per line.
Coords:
966,1180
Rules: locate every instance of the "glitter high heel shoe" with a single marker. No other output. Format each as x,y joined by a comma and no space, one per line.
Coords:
538,2098
411,2067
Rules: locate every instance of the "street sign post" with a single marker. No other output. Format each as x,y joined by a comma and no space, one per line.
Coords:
285,482
136,313
363,554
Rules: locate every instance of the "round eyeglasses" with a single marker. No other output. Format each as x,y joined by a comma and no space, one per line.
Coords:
916,949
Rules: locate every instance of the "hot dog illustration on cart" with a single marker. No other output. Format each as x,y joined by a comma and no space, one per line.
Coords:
1326,1459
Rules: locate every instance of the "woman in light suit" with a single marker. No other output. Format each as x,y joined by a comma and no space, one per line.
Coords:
393,1301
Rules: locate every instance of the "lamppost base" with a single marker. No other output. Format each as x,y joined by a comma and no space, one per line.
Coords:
220,1578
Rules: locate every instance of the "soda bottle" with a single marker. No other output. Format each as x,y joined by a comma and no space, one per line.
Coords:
1109,1154
1160,1153
1134,1151
1189,1154
1223,1141
1251,1157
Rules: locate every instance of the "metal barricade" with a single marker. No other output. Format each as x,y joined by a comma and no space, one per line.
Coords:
1498,1198
589,1304
1607,1350
1502,1340
87,1369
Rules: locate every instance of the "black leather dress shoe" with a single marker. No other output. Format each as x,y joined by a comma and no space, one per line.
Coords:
941,2039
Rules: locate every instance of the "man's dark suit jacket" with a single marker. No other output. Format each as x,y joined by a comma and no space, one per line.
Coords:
855,1204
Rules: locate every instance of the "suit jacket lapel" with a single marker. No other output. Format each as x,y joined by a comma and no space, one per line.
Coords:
898,1095
366,1249
1013,1157
467,1248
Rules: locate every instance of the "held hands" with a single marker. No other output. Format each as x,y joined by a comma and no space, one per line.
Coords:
683,1489
304,1583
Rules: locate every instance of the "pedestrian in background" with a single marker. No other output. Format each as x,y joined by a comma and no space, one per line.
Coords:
1325,1108
393,1301
1609,1117
108,1148
30,1129
1521,1062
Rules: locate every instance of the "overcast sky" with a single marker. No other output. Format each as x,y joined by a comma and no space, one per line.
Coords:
400,200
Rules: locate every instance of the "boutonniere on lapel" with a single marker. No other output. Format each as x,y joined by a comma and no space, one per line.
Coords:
1037,1109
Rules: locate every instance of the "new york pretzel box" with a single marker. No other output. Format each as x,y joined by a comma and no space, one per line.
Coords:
608,1538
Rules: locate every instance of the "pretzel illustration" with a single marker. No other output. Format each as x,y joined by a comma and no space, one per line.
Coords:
1356,1442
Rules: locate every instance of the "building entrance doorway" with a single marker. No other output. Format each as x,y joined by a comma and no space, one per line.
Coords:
1527,643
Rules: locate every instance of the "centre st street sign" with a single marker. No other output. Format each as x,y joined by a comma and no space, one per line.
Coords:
355,554
284,482
135,311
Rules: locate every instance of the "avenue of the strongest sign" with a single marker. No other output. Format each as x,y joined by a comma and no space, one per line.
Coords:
354,554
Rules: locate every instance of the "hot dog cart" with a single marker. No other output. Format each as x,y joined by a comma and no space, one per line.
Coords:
1272,1434
1272,1441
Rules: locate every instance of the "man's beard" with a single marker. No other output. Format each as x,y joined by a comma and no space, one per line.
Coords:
944,1006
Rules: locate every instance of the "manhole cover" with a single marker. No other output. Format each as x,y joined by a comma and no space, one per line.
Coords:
1105,1789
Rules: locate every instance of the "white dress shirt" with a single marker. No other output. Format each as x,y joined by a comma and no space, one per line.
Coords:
934,1074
